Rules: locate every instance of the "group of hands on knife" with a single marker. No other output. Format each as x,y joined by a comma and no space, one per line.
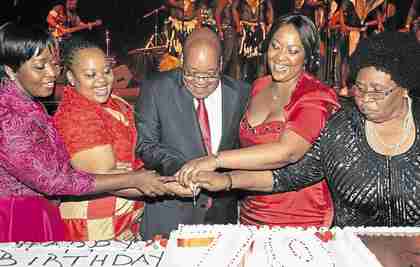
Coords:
188,181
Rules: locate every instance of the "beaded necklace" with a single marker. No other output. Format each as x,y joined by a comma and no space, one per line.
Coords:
407,127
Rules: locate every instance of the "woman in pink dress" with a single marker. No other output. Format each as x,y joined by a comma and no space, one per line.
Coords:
34,163
286,113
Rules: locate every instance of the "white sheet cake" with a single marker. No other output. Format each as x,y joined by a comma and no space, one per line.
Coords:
233,245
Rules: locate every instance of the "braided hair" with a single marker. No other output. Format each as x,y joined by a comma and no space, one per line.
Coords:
71,47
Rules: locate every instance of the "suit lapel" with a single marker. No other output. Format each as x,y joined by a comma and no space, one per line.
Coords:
229,106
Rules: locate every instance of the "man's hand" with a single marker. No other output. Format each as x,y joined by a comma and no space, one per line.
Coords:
193,167
213,181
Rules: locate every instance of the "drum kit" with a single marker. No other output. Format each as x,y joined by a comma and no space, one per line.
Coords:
163,49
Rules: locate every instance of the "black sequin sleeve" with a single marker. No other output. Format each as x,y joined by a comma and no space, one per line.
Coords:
303,173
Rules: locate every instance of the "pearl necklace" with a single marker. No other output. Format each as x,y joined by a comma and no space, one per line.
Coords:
407,127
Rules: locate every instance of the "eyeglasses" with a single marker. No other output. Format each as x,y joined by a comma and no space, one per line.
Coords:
191,76
376,94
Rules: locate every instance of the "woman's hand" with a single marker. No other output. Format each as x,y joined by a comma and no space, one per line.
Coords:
213,181
179,190
148,182
119,165
193,167
131,193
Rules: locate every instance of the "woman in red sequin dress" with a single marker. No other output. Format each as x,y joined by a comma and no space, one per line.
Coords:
286,113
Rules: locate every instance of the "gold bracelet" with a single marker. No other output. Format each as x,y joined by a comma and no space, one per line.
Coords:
229,175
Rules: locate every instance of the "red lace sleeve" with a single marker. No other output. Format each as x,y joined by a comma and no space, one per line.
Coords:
81,127
308,115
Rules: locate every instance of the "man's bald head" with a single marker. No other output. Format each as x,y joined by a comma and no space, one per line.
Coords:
202,39
202,62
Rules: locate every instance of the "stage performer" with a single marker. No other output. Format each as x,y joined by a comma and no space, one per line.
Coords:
226,29
356,17
62,17
183,19
253,19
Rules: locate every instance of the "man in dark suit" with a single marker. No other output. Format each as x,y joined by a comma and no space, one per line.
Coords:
171,132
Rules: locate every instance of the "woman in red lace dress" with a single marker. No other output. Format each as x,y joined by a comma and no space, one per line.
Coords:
286,113
99,133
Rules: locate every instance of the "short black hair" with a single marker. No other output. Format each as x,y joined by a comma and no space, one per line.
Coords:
395,53
19,44
308,34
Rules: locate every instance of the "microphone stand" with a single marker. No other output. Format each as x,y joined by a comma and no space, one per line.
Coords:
183,35
156,27
154,39
111,58
107,42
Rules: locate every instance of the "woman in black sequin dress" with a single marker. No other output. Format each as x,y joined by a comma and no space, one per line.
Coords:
369,151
